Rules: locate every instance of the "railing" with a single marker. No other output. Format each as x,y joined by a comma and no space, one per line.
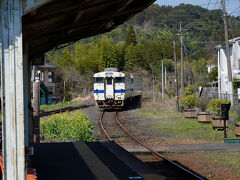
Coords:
224,96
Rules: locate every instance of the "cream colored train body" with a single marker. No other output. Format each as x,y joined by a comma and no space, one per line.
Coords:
115,89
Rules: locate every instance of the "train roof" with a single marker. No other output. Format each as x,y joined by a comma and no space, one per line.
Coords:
110,73
115,74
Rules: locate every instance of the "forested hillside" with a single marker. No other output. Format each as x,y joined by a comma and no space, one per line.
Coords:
141,44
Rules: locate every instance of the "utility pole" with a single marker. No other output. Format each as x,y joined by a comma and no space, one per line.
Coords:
176,78
64,91
182,62
230,84
165,68
162,82
36,105
191,77
153,89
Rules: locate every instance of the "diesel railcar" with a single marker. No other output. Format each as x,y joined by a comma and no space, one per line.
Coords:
114,89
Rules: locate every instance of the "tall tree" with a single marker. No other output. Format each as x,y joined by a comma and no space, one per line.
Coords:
131,36
133,57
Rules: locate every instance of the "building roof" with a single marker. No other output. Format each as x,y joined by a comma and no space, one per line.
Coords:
48,65
231,41
49,23
234,40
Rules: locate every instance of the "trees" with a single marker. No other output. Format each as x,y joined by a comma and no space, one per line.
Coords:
213,75
131,37
145,48
200,66
133,57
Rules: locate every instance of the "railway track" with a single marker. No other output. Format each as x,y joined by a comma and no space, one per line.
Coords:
72,108
165,166
69,108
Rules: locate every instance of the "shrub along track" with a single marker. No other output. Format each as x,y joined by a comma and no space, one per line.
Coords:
115,130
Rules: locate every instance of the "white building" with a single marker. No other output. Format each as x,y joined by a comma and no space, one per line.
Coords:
223,83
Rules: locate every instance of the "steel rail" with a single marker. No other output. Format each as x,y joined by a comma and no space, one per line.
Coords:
61,110
101,124
158,155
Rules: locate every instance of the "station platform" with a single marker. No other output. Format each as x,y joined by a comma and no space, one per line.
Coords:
93,160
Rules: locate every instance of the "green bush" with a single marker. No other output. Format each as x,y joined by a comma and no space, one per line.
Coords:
68,96
188,101
67,126
215,105
237,119
202,103
189,90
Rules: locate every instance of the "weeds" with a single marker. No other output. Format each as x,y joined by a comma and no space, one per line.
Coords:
67,126
231,159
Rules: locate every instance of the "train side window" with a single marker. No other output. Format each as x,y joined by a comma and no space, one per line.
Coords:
109,81
98,80
119,79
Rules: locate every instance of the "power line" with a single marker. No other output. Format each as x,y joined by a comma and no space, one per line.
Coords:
208,4
186,49
207,42
215,4
234,11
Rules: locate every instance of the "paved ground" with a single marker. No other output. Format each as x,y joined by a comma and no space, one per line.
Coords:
234,147
96,160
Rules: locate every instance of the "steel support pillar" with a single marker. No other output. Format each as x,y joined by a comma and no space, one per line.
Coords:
13,95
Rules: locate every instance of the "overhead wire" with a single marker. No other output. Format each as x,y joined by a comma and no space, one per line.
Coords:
204,15
229,20
216,4
208,4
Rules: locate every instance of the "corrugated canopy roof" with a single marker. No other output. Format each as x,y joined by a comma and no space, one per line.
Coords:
48,65
55,22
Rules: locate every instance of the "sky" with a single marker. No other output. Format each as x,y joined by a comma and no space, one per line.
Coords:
232,6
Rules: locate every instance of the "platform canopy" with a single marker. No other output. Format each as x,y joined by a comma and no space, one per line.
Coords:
48,23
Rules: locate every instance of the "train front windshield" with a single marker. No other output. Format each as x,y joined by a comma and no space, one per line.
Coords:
119,79
98,80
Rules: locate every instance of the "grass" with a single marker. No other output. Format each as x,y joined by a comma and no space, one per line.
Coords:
172,125
230,159
58,106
